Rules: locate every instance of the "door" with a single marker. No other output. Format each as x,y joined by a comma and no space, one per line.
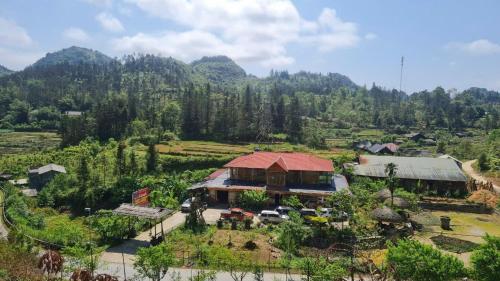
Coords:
277,199
222,196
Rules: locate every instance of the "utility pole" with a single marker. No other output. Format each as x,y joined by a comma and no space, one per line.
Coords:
89,211
401,74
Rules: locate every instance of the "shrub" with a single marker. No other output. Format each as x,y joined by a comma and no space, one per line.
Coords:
253,199
412,260
292,201
486,260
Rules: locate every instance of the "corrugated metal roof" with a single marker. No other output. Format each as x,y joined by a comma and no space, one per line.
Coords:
49,167
424,168
288,161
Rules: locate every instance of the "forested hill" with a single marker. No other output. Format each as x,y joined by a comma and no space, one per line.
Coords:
219,69
4,71
73,56
213,98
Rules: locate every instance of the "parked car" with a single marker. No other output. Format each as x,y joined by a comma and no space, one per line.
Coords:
326,212
236,213
284,210
310,216
308,212
186,206
271,217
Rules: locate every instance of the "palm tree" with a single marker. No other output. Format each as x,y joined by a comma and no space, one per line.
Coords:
390,171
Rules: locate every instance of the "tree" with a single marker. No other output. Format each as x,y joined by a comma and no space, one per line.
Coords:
293,201
120,159
390,171
294,120
292,233
412,260
253,199
134,167
154,262
482,162
258,274
342,201
152,158
441,147
486,260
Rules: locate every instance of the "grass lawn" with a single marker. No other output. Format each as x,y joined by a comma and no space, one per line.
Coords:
60,228
26,142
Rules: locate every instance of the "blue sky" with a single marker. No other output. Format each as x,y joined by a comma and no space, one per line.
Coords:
454,44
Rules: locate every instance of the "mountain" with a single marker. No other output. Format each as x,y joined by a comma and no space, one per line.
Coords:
219,69
5,71
73,56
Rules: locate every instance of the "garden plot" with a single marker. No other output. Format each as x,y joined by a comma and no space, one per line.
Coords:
466,227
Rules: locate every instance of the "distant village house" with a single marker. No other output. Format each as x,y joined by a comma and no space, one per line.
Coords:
39,177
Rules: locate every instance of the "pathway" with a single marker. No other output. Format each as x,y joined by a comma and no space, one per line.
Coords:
467,166
129,247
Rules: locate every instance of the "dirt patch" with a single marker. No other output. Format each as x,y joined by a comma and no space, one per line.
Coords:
452,244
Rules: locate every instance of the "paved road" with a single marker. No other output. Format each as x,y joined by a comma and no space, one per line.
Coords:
185,273
467,166
3,230
129,247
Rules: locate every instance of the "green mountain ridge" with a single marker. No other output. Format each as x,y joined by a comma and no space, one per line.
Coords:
5,71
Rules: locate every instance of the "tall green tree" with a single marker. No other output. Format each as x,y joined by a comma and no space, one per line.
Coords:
152,158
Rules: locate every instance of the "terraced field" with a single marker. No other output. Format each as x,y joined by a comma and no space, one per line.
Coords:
26,142
215,149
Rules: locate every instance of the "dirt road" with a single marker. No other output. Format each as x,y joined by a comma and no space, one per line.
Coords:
467,166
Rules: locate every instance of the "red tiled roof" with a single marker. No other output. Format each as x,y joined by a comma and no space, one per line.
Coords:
289,161
215,174
392,146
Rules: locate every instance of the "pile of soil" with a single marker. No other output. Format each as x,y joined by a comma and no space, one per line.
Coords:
484,196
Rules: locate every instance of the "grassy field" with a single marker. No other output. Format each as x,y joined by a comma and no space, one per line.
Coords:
27,142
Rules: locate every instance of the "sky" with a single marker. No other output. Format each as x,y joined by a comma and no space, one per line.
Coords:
450,43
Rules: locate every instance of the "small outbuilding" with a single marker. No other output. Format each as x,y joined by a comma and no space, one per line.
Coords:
39,177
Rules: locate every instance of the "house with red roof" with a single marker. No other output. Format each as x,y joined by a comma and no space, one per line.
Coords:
279,174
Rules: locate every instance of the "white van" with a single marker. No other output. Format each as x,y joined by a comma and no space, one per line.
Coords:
271,217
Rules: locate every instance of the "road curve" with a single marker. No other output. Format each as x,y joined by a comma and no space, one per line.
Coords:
467,167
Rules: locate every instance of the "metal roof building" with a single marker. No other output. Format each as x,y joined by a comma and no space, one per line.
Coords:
415,168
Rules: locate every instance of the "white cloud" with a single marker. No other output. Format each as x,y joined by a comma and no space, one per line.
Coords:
478,47
247,31
100,3
18,59
12,34
109,22
76,34
371,36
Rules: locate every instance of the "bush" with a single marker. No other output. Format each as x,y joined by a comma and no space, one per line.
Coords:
412,260
253,199
486,260
292,201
